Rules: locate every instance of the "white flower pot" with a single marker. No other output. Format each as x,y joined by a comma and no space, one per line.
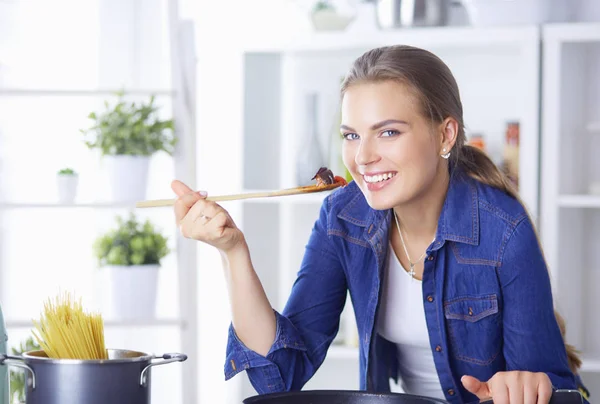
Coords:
133,291
128,176
67,187
329,20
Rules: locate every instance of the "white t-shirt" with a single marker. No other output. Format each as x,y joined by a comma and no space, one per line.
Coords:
401,320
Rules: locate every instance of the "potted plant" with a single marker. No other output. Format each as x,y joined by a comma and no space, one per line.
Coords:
127,135
67,180
131,253
17,376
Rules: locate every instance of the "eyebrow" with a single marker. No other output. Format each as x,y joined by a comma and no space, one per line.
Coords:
378,125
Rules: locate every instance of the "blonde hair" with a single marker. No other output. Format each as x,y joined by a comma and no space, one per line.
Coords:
435,86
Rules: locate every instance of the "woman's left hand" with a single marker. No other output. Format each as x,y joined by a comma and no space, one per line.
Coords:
514,387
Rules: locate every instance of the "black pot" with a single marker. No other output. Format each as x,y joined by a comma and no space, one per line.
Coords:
339,397
361,397
123,378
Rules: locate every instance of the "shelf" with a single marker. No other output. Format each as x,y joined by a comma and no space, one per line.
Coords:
434,37
593,127
94,205
50,92
579,201
572,32
342,352
591,364
159,322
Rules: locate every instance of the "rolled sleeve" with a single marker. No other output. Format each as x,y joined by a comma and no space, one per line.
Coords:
264,371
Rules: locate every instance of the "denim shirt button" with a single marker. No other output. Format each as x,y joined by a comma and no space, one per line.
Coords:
430,258
438,348
430,298
451,392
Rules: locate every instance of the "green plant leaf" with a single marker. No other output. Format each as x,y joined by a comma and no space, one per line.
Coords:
131,242
130,129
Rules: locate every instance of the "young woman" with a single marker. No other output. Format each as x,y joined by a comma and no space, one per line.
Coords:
443,264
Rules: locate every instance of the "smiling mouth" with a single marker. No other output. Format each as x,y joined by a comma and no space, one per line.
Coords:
373,179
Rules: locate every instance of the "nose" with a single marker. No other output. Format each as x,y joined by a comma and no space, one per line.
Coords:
366,153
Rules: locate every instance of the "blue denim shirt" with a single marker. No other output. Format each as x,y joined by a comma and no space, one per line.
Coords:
486,292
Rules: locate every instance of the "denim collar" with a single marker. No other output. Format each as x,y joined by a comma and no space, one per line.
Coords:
459,219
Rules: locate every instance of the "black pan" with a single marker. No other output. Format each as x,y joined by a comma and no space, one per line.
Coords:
361,397
339,397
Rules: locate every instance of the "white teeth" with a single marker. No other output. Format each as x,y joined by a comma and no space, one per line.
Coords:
378,178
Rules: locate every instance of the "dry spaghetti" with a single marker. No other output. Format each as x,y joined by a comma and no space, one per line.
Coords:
65,331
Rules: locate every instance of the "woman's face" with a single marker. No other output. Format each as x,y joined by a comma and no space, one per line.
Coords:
391,151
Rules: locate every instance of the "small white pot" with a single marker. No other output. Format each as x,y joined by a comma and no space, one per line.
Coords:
128,176
67,187
329,20
133,291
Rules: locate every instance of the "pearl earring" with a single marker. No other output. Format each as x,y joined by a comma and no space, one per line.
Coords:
445,155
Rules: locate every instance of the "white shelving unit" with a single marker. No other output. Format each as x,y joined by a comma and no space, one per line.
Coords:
498,73
180,328
570,226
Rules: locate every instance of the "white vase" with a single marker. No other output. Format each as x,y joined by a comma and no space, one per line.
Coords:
133,291
329,20
66,186
128,176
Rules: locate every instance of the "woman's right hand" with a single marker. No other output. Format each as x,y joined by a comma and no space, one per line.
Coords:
204,220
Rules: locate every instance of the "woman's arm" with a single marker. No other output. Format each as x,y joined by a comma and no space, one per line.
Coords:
305,329
532,337
534,350
252,315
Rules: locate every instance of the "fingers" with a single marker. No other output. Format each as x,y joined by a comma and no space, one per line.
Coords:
530,394
180,188
184,203
500,394
544,392
204,208
479,388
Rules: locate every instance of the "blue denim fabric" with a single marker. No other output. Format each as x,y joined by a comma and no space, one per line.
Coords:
486,288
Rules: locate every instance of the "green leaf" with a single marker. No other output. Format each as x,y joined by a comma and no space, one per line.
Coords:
130,129
131,242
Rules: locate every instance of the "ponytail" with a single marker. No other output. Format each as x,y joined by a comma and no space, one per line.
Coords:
480,167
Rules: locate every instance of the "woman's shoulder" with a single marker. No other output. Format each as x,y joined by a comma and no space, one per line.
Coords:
500,203
347,204
344,196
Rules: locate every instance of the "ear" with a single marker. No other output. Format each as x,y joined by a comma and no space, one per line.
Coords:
448,135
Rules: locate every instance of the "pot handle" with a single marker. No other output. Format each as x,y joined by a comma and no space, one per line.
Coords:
18,363
163,360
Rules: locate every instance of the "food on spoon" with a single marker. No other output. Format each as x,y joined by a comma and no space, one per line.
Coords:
325,177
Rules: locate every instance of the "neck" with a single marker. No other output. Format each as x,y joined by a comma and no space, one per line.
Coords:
419,217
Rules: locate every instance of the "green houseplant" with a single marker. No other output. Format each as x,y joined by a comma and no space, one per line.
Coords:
17,376
67,181
127,134
131,254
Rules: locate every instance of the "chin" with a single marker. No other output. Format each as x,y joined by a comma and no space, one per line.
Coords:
379,201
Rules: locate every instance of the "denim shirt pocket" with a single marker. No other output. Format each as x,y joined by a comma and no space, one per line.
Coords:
474,328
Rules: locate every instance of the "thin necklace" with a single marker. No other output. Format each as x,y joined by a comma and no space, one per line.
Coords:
412,264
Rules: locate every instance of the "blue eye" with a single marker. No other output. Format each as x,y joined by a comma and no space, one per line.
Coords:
350,136
389,133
